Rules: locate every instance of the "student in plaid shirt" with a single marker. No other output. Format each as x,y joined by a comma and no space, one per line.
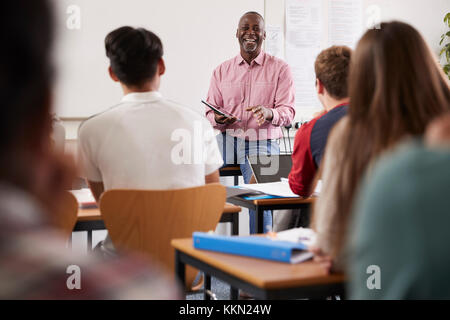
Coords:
33,259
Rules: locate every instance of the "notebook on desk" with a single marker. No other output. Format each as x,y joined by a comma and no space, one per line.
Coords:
270,168
288,249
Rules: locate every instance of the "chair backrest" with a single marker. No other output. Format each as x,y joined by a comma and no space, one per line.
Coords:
146,221
67,216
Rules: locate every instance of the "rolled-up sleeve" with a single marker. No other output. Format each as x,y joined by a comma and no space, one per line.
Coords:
284,109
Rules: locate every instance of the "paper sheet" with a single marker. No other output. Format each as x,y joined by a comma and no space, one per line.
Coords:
303,40
84,198
280,189
303,23
345,22
274,41
301,61
303,235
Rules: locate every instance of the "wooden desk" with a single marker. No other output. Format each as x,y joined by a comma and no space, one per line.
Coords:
90,220
271,204
264,279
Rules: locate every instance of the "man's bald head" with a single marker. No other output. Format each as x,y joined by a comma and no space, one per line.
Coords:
253,13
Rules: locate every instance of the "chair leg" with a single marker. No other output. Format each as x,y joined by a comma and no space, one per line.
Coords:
234,293
206,296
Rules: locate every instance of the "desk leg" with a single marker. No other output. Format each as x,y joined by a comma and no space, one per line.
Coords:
69,242
235,225
259,220
89,240
180,268
236,180
234,293
206,296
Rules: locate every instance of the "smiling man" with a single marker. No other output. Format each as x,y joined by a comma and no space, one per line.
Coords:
257,90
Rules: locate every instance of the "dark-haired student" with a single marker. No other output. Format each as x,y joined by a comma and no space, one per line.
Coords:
34,260
146,141
332,69
407,202
396,89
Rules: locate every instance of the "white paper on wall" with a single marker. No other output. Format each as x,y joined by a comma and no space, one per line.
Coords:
345,22
274,41
303,39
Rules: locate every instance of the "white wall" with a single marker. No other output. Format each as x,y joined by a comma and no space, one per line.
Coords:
197,36
214,35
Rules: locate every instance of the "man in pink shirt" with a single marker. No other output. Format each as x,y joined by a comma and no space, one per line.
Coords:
257,90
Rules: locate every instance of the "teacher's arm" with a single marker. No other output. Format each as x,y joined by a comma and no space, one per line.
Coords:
284,106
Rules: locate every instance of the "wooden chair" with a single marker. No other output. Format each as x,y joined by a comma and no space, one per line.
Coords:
146,221
67,216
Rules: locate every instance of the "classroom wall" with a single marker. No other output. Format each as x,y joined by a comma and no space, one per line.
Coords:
426,16
197,35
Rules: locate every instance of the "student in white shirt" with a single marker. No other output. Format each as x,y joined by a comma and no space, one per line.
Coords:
138,143
145,141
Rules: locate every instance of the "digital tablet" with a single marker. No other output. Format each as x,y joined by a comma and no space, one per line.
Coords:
219,112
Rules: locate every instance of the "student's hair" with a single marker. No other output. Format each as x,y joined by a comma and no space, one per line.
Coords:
332,68
26,30
134,54
396,89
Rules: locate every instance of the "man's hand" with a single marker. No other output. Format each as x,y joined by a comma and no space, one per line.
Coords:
224,120
261,114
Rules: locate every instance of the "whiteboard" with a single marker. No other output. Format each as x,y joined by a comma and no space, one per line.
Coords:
197,36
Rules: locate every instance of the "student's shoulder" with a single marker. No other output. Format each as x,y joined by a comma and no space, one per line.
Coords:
338,130
190,115
413,161
408,176
306,128
100,119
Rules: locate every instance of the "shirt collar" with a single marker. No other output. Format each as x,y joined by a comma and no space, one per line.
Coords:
342,105
258,60
149,96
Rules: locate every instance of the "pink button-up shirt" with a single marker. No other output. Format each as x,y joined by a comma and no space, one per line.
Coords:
236,85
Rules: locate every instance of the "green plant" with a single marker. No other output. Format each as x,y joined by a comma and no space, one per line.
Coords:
445,50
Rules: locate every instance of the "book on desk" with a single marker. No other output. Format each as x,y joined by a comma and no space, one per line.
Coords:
85,198
281,250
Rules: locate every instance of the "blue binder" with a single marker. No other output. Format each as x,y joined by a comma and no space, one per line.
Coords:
253,246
